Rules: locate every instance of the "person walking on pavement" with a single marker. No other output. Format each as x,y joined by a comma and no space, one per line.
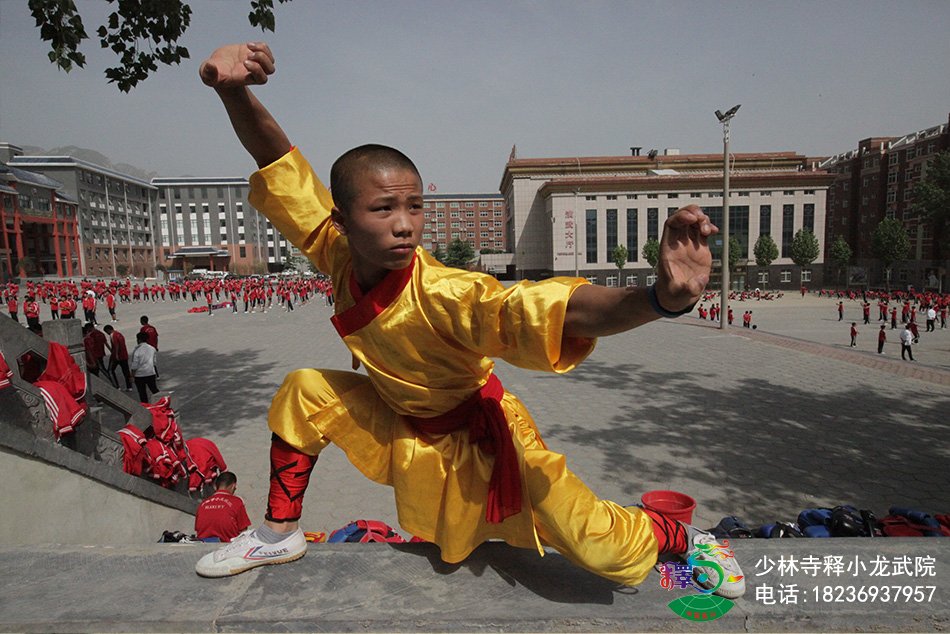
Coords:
907,338
119,357
881,338
854,334
144,358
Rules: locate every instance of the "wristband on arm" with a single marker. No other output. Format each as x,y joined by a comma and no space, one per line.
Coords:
659,310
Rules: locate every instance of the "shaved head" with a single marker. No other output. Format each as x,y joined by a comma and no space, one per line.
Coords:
350,168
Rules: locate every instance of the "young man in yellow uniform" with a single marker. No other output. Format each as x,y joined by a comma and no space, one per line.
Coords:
429,417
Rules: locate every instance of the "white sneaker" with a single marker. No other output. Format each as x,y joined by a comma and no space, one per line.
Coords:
706,548
247,551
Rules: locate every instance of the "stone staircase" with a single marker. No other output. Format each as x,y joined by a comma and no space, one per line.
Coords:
32,456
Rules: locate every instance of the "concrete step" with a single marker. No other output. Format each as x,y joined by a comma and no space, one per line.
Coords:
406,588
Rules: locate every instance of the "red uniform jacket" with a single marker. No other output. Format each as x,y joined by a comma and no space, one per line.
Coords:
221,515
120,351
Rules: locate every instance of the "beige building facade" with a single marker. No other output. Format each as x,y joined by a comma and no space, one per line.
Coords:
566,215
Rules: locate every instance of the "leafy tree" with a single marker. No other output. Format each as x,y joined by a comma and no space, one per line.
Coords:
765,251
121,270
889,243
932,201
438,253
734,247
459,253
161,267
840,255
293,262
619,257
804,248
651,252
141,33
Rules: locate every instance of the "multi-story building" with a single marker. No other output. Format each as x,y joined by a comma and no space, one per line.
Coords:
567,215
208,223
874,182
39,223
113,219
478,219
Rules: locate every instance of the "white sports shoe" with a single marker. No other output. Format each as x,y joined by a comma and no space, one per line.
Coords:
706,548
247,551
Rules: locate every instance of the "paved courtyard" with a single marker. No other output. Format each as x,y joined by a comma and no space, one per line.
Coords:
758,424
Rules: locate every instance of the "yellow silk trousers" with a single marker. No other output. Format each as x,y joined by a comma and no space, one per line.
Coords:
441,482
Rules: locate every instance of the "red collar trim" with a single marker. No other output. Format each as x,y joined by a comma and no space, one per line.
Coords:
371,304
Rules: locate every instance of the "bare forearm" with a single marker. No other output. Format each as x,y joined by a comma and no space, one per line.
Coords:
595,311
255,127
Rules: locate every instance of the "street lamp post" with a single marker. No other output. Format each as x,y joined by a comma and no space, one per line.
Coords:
724,229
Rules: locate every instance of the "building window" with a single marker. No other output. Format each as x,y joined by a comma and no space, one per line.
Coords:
808,217
590,197
806,275
653,230
592,279
631,280
763,277
670,211
242,252
788,225
633,247
786,276
765,220
612,281
611,231
591,236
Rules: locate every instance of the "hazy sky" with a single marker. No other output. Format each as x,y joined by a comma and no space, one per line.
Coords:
456,84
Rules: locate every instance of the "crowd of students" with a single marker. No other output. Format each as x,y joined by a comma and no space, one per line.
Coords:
63,298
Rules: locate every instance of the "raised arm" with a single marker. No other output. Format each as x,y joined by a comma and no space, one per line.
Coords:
682,274
230,70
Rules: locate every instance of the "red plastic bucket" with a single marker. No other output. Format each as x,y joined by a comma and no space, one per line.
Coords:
673,504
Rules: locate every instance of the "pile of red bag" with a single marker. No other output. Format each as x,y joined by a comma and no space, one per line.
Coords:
63,388
162,454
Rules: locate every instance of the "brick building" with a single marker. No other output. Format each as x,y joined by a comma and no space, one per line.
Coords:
38,221
478,219
113,218
874,182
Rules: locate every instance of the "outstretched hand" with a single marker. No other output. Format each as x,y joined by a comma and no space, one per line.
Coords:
236,65
685,259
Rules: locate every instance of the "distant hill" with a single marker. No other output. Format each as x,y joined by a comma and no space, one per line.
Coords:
90,156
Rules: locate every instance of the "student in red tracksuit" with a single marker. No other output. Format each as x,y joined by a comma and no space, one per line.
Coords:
110,304
13,307
119,356
222,515
32,312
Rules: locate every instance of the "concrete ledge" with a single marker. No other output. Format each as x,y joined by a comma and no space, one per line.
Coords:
406,588
24,443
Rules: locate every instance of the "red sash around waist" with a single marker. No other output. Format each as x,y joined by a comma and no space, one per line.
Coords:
483,415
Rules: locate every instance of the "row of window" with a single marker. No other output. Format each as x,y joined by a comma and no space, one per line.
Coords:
468,214
695,195
738,227
238,192
611,281
468,205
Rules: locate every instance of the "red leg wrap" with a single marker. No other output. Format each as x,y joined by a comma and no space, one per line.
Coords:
671,535
289,477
